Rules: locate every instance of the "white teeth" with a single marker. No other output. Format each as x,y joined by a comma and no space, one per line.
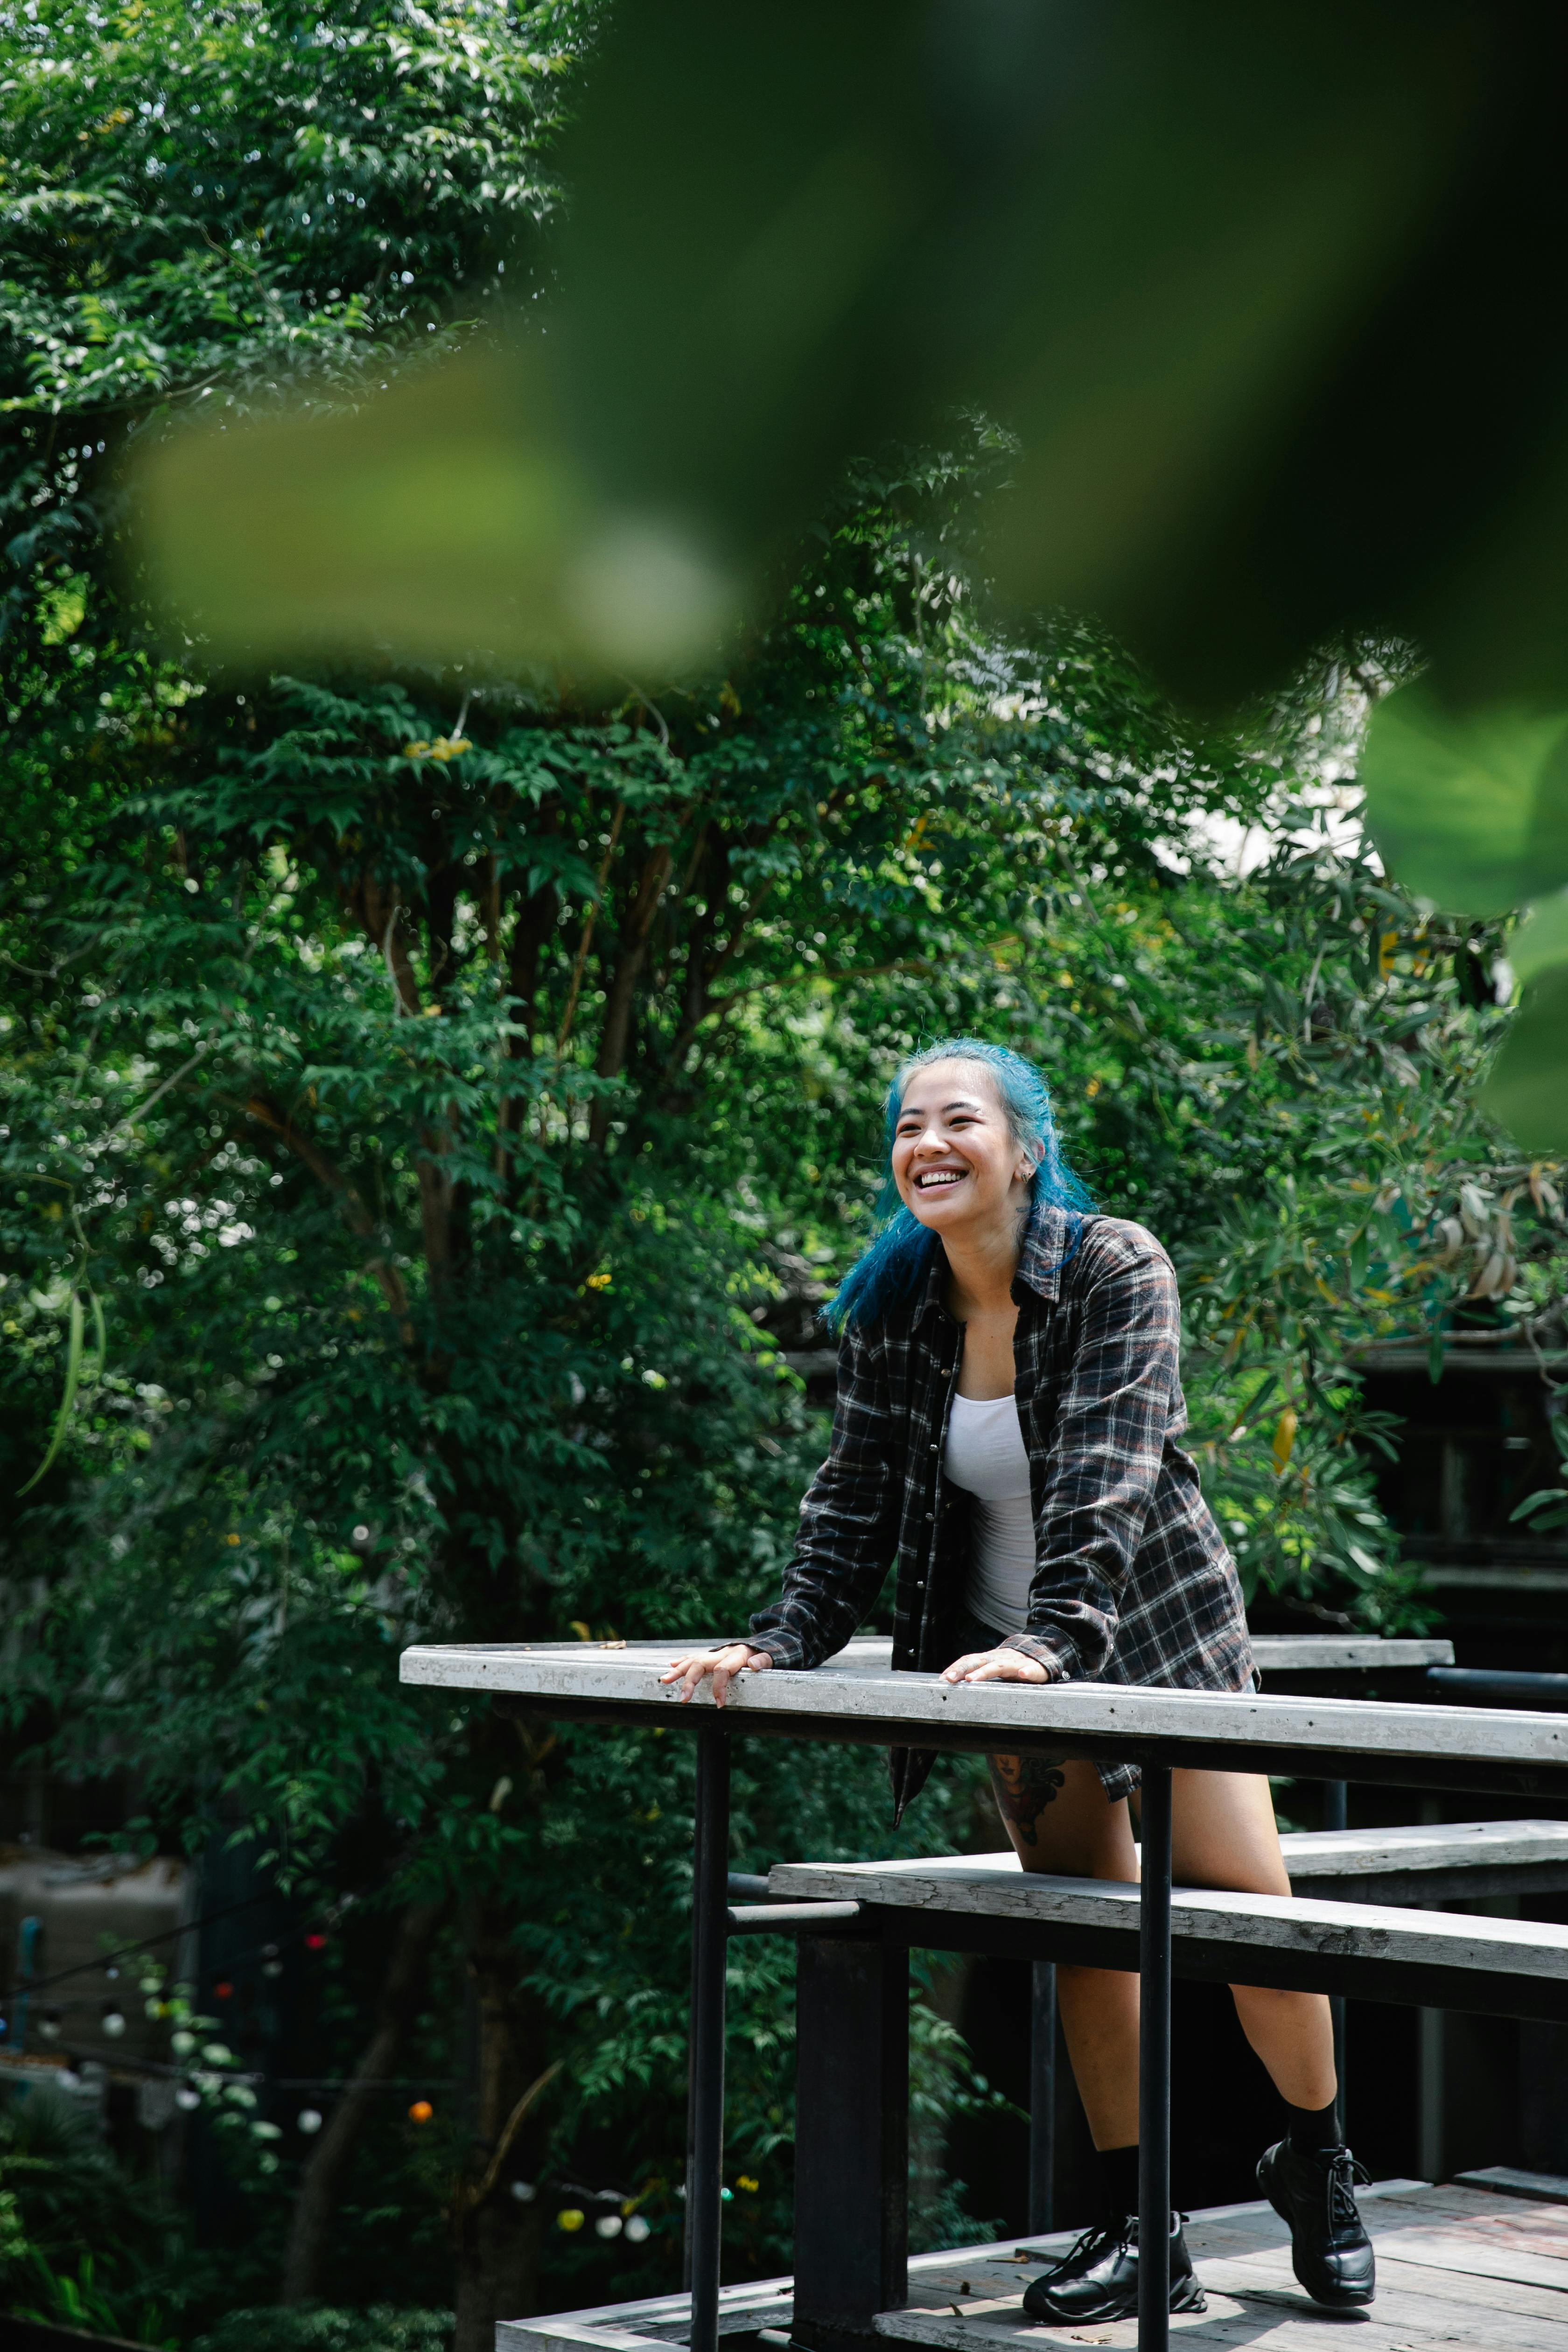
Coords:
938,1178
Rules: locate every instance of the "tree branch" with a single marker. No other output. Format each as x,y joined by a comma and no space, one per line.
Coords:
466,2199
586,941
321,2183
380,913
617,1032
279,1122
699,983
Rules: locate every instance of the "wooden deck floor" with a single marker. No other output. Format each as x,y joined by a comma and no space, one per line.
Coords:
1456,2266
1463,2265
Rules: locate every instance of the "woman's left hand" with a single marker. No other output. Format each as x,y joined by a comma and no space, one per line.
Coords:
994,1666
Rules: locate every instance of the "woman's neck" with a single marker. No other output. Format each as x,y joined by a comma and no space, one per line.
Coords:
982,1265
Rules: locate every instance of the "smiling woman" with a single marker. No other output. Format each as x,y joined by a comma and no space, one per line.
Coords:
900,1256
1006,1430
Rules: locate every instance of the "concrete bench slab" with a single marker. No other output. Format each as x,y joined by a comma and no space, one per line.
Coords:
1438,1960
1429,1861
856,1699
1413,1862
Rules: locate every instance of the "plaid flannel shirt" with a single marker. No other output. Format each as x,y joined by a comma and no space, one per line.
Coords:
1132,1580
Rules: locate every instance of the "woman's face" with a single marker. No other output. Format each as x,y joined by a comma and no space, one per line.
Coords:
956,1161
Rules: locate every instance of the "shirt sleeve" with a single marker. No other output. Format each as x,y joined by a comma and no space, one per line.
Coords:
1104,1462
848,1522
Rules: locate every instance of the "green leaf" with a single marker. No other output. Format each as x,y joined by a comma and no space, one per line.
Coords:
1542,939
1470,809
1528,1089
1155,250
67,1402
1539,1501
446,516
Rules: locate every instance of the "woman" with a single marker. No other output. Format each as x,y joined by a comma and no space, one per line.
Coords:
1009,1403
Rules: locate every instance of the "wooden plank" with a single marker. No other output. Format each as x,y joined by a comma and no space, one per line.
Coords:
858,1702
656,2320
1485,2247
984,2327
1244,2310
994,1887
1402,2316
1461,2290
1254,2298
1505,2181
1242,2253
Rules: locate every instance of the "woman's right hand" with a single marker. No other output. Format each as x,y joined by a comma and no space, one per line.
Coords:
736,1657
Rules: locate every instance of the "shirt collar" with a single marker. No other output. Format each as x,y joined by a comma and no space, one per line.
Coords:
1047,1239
1048,1242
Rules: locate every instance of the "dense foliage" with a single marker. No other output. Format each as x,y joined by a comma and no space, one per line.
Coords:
432,1107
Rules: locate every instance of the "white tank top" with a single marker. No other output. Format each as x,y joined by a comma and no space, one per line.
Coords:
986,1455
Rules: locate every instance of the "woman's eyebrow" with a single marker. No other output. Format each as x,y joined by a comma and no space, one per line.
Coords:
913,1110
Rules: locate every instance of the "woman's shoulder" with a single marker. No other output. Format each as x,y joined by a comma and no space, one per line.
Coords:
1117,1246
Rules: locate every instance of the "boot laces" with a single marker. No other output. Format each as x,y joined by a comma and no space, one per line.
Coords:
1093,2241
1346,2172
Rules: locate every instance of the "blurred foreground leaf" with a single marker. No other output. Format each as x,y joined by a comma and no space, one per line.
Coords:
1468,808
1542,939
1238,280
1471,809
1528,1089
444,519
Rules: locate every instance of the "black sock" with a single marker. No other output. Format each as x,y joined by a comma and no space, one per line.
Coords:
1312,2130
1118,2179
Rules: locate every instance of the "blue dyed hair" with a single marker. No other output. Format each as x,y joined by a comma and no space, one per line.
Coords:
895,1263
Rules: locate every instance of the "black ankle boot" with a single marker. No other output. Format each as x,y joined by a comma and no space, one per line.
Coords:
1097,2277
1331,2252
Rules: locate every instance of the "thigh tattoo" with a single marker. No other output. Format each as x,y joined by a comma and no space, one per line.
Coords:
1023,1785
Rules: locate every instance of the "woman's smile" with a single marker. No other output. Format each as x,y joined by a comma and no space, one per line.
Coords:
935,1179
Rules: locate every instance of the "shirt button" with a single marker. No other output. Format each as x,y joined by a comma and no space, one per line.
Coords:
935,1447
931,1515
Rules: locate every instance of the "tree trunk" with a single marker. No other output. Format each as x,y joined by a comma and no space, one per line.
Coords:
616,1035
498,2236
321,2184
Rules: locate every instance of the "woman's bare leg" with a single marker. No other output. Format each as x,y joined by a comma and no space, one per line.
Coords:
1224,1836
1058,1820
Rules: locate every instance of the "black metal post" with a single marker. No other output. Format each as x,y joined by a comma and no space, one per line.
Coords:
1154,2064
1336,1816
851,2144
1042,2097
705,2118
